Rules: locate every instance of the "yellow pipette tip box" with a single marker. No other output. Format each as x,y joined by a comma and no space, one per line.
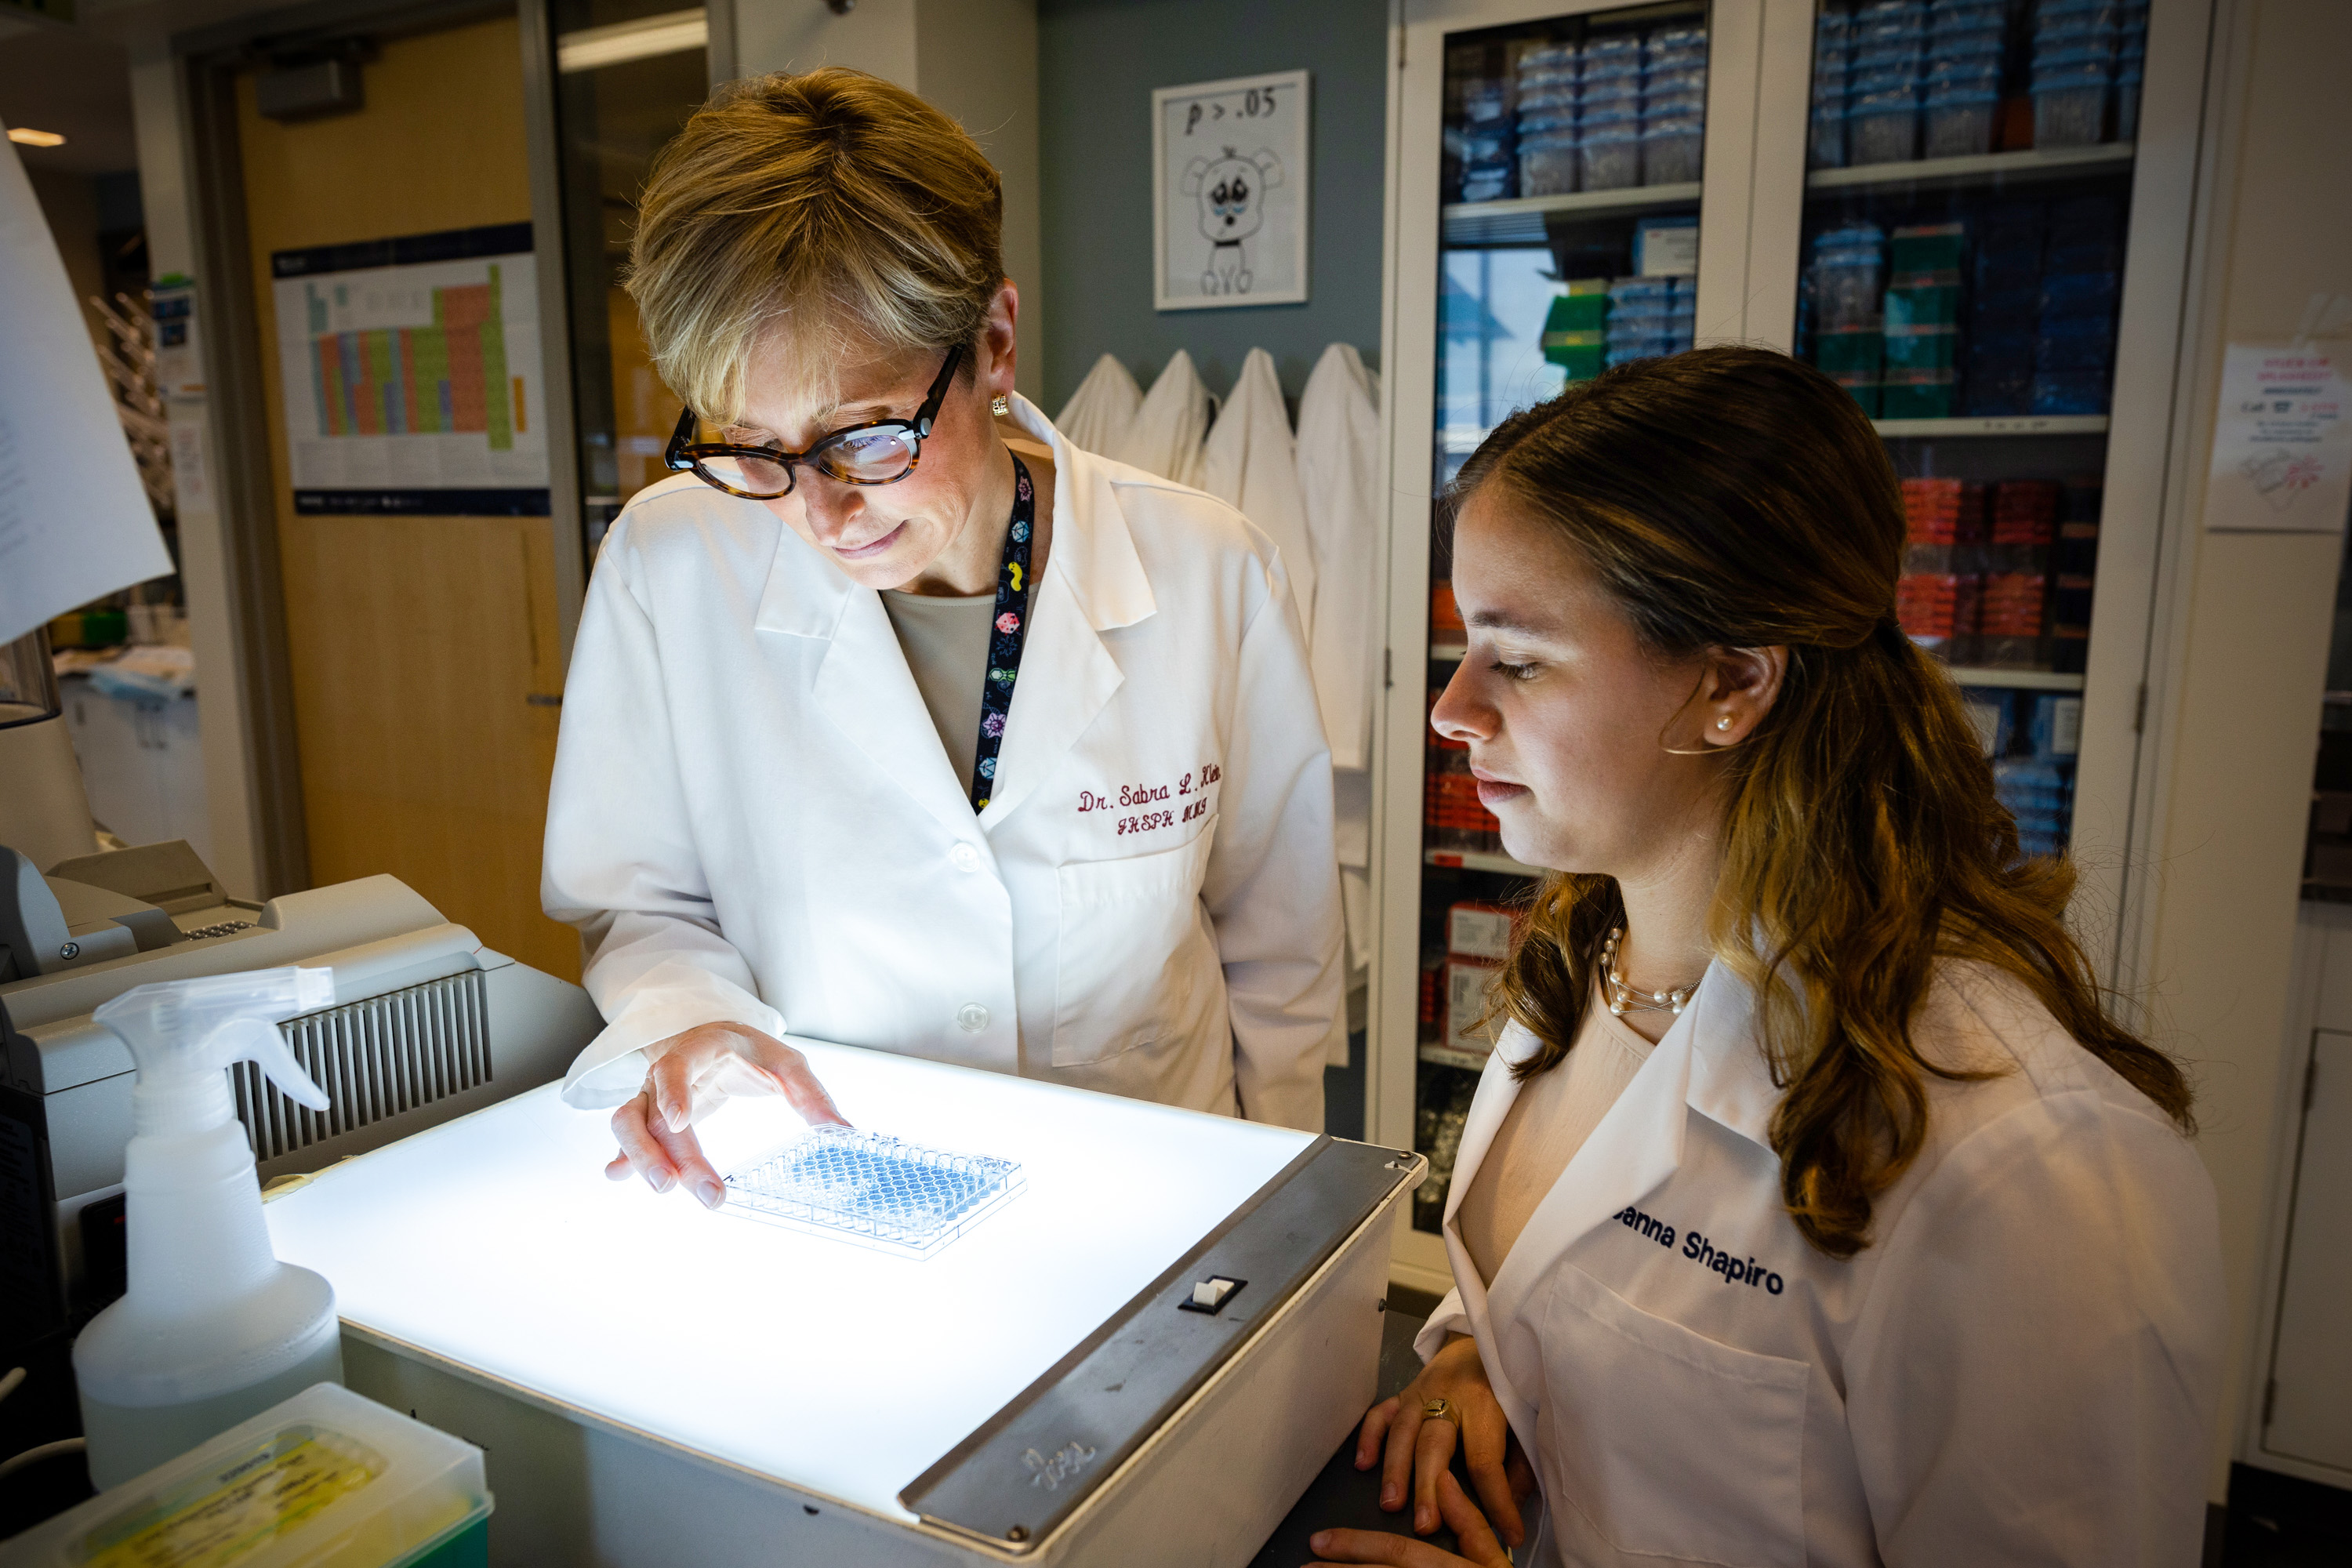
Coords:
326,1480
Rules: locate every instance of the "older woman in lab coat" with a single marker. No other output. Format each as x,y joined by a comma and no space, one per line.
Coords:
894,724
1812,1209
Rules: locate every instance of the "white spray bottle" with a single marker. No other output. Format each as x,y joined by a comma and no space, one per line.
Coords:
213,1329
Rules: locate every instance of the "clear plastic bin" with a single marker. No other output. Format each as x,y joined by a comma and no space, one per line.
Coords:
1668,106
1546,122
2066,15
1958,125
1618,51
1561,95
2069,110
1670,151
1825,146
1609,158
325,1479
1547,165
2071,391
1883,128
1965,15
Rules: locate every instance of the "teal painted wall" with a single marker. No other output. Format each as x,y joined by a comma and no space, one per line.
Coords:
1097,62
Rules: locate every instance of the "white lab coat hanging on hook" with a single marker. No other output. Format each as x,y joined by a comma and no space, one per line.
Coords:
1099,414
1165,436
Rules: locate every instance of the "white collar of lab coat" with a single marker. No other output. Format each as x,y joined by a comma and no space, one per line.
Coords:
1091,549
1708,1061
1067,676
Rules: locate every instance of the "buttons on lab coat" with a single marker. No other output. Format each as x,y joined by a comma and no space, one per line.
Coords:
964,857
972,1018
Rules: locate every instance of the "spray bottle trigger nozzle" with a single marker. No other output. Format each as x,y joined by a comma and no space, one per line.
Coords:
259,1041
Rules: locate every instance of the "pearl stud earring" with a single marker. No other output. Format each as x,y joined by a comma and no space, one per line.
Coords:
1724,722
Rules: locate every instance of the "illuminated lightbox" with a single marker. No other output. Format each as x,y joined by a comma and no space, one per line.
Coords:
881,1380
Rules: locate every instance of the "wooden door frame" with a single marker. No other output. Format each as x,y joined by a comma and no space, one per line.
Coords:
208,61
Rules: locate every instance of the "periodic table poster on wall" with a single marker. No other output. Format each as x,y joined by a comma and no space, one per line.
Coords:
410,376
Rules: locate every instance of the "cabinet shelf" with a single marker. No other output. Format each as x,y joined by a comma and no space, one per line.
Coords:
1994,425
1966,675
1447,1057
1985,169
1481,860
1520,220
2016,680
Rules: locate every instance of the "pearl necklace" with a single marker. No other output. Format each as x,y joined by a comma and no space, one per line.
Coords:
1625,999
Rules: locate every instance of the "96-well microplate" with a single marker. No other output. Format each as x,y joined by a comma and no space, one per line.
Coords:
871,1188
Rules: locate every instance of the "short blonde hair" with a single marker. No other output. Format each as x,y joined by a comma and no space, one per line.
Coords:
834,207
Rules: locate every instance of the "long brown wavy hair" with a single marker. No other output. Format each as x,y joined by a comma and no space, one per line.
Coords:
1735,498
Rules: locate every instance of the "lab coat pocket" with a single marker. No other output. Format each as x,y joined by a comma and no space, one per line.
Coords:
1133,950
1662,1444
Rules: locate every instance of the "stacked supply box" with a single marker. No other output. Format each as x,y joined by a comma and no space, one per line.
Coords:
1451,816
2014,615
1922,316
2082,276
2074,67
1477,943
1832,68
1609,134
1481,142
1890,55
1549,88
1650,317
1937,597
1961,104
1844,286
1673,104
2004,303
2131,68
2075,559
2038,788
1576,330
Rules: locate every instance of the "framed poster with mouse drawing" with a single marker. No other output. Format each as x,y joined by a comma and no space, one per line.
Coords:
1230,187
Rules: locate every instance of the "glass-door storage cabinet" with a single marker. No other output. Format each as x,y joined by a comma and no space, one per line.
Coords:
1941,204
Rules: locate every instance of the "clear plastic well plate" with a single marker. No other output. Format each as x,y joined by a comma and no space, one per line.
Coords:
873,1189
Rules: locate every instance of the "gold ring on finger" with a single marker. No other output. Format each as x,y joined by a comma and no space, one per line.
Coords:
1441,1410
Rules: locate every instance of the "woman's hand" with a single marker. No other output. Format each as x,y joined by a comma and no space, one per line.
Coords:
1479,1547
691,1073
1419,1449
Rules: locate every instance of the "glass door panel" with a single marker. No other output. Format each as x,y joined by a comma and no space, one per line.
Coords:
1965,219
1567,241
629,74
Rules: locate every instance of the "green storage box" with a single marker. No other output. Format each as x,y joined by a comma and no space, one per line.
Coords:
1841,353
1933,348
1922,305
1927,248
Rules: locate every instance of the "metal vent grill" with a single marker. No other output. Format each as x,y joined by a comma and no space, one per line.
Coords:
377,1058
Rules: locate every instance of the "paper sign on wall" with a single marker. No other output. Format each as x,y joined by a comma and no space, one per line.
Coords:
411,375
1230,186
2282,448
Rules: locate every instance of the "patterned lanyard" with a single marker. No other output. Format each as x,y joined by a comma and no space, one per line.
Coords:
1006,635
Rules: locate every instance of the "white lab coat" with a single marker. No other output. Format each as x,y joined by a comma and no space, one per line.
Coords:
753,819
1339,488
1166,435
1098,416
1252,461
2023,1367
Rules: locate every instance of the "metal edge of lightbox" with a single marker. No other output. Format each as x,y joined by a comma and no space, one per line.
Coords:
1021,1474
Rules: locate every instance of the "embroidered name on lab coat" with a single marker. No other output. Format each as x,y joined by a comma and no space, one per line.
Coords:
1732,1269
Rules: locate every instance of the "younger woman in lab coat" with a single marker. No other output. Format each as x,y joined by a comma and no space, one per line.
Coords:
1812,1209
881,732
